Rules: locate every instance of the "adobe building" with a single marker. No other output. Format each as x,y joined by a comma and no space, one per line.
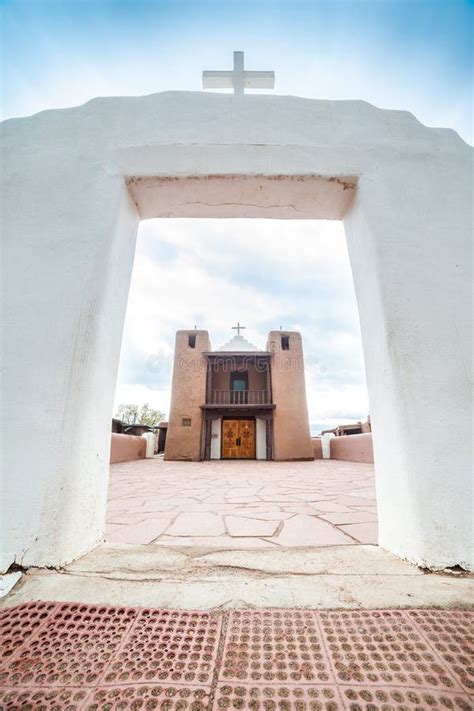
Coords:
238,402
352,428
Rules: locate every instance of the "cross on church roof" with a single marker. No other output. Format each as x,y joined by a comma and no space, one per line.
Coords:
238,79
238,328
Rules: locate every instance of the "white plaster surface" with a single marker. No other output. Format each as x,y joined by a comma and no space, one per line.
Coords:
8,582
75,183
339,577
150,444
326,444
216,428
261,438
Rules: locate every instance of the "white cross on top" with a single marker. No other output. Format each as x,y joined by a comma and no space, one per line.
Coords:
238,79
238,328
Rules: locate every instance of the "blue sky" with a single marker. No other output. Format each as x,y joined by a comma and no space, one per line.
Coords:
408,54
414,55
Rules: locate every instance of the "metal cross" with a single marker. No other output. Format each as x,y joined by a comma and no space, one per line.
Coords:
238,328
238,79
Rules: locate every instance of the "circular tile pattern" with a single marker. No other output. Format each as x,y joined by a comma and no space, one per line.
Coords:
381,648
276,698
73,657
72,648
399,699
18,623
451,634
168,646
42,699
273,646
146,698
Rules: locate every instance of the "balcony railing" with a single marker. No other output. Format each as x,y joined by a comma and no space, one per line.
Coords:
240,397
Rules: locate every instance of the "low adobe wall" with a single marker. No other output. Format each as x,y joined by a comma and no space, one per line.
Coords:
353,448
317,447
126,448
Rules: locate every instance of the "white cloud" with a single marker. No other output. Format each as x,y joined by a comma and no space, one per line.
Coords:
320,243
262,272
140,394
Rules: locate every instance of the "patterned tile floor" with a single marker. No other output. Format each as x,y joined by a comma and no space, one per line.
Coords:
67,657
241,504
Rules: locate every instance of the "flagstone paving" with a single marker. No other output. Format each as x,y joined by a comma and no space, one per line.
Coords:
241,504
84,657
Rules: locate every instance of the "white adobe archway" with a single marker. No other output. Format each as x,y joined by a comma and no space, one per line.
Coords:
75,184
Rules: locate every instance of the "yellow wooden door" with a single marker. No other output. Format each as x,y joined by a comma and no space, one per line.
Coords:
230,437
247,439
238,439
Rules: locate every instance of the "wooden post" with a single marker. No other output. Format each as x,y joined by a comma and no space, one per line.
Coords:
208,381
207,438
269,432
268,383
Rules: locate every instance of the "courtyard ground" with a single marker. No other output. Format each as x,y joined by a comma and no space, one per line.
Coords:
238,585
239,504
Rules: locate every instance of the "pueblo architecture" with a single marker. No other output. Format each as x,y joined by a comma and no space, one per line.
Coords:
238,402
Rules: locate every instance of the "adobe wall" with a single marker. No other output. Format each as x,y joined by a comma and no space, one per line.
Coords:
126,448
188,392
291,434
317,447
352,448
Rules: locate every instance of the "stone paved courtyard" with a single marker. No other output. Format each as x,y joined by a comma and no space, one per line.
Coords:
86,638
241,504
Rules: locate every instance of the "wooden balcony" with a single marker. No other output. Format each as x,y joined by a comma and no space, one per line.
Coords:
231,398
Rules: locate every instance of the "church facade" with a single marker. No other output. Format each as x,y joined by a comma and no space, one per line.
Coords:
238,402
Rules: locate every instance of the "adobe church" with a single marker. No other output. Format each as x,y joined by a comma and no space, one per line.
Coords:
238,402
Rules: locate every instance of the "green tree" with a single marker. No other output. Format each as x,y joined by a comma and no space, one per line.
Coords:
136,415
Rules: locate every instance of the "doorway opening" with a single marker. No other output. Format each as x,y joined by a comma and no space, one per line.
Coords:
281,275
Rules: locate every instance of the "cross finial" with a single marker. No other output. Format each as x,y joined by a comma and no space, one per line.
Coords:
238,328
238,79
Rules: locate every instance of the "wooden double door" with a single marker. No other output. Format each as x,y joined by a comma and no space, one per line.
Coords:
238,439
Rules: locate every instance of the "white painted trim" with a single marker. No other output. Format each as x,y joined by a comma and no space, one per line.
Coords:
216,429
261,438
326,444
150,444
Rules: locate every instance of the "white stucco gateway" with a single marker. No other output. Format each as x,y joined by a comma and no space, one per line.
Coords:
76,182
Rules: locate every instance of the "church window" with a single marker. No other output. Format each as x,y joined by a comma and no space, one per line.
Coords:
192,341
285,343
239,381
186,422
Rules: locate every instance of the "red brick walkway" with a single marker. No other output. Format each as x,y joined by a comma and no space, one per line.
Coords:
73,656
